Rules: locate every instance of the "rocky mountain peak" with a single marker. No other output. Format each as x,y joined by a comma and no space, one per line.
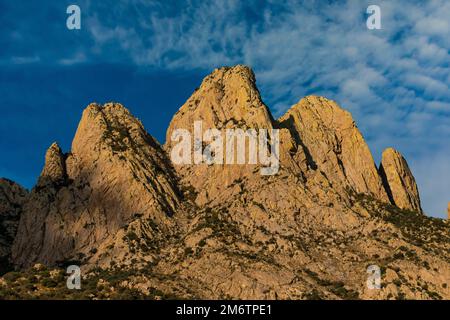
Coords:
134,219
399,181
334,145
115,172
227,98
111,125
54,170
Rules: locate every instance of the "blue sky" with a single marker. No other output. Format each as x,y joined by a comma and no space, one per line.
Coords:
151,55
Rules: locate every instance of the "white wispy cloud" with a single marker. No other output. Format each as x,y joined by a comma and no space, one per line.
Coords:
78,57
25,60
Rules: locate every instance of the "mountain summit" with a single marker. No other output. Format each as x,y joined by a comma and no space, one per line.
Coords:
84,199
118,206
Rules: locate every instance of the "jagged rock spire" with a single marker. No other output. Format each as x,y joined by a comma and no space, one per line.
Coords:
334,145
399,181
227,98
115,172
55,168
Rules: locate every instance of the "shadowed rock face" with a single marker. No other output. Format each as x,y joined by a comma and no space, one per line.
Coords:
12,197
399,181
225,231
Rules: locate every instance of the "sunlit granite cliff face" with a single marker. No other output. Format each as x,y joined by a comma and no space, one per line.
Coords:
116,205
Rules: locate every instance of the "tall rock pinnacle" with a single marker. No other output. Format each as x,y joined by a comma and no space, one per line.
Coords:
227,98
55,168
448,211
334,145
114,172
399,181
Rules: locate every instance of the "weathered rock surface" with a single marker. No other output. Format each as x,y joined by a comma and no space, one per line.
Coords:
448,211
115,173
334,145
12,197
227,99
399,181
54,171
213,231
